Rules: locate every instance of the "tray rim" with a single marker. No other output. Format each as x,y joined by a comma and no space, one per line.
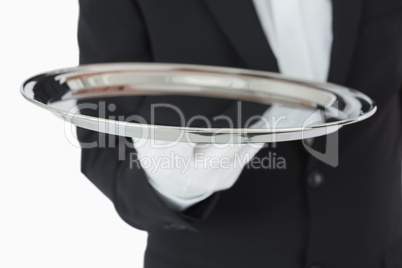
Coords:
243,133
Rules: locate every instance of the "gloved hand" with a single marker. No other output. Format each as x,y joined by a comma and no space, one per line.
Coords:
186,173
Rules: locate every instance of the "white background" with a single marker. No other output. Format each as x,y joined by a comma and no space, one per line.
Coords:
50,214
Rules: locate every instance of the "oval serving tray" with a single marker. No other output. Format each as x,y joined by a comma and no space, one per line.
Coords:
195,103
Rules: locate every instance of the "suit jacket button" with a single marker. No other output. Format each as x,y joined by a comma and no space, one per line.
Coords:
315,179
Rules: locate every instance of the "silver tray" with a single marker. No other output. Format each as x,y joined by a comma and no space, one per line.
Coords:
194,103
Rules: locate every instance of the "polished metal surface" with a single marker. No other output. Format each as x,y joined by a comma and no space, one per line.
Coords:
194,103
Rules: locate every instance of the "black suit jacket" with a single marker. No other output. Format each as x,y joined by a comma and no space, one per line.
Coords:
309,214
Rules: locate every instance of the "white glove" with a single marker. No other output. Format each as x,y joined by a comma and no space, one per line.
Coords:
186,173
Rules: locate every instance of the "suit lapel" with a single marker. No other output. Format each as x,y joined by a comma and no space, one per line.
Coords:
346,18
239,22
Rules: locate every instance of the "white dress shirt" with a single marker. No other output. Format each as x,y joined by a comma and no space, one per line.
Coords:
300,35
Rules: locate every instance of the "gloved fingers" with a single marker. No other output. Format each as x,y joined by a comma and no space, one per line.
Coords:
165,148
250,149
231,151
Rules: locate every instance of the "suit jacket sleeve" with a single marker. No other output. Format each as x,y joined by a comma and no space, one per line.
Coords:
114,31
